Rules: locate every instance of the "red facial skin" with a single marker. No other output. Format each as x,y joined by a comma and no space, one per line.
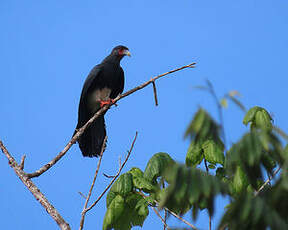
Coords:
121,52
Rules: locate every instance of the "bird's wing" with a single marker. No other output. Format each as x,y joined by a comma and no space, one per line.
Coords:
121,88
83,113
118,86
93,75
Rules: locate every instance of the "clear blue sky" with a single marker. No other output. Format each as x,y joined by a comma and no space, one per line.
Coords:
47,49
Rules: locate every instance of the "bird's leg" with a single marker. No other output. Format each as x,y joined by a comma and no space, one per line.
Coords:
107,102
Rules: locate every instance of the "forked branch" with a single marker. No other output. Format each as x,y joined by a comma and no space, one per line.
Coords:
115,177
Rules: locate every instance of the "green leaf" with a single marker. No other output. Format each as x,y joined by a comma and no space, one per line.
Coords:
213,153
156,166
263,120
196,124
250,115
259,118
203,128
123,185
136,172
240,181
191,187
110,197
143,184
113,212
124,213
194,155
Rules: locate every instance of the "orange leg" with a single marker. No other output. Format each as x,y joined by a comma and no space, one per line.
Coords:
108,102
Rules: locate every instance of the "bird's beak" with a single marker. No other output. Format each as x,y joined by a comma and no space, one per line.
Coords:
126,52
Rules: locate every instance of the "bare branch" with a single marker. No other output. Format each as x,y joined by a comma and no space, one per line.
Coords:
163,221
180,218
267,181
108,176
116,176
220,111
22,162
207,170
81,194
155,93
171,212
35,190
165,211
92,185
96,115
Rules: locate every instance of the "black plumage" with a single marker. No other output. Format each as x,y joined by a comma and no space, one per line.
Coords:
104,82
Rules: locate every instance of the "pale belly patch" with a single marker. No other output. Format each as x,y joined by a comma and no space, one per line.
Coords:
96,96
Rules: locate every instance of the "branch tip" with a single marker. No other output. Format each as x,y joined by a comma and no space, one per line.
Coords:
22,162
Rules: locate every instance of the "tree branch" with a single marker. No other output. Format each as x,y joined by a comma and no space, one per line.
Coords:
115,177
96,115
207,170
267,181
35,190
219,108
155,93
163,220
171,212
22,162
165,212
92,185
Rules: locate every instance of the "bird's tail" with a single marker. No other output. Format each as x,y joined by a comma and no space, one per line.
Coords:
92,139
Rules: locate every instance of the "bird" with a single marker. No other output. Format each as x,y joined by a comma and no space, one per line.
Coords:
104,83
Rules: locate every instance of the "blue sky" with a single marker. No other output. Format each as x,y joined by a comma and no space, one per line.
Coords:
48,48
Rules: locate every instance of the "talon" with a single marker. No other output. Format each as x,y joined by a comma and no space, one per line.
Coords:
108,102
113,102
102,103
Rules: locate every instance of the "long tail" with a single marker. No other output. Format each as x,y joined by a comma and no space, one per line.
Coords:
91,140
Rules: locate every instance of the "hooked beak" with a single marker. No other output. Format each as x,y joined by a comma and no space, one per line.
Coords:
127,52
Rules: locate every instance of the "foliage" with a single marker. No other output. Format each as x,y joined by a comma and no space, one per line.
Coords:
238,172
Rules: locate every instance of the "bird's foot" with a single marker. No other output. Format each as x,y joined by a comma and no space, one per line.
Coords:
108,102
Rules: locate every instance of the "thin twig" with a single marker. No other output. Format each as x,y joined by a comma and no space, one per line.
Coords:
165,212
206,166
207,170
280,132
116,176
119,161
267,181
180,218
108,176
165,220
158,214
81,194
155,93
92,185
220,111
96,115
35,190
22,162
171,212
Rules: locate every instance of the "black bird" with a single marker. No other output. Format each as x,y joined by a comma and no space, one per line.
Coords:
104,83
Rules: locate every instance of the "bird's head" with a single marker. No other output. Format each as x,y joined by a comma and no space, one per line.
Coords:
121,51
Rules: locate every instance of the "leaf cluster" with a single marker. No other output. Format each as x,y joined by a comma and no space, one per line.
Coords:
210,169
